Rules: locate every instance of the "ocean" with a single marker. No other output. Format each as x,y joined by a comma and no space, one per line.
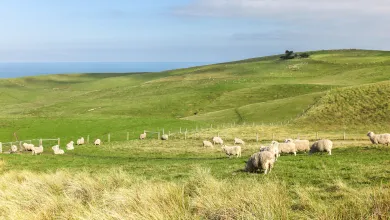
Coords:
13,70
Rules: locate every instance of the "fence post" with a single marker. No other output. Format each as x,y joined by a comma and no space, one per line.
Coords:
185,135
257,137
109,137
317,135
169,133
127,137
344,135
88,139
211,126
1,148
158,137
59,141
20,146
40,142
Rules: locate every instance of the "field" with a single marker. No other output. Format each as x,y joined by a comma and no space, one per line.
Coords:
338,95
181,180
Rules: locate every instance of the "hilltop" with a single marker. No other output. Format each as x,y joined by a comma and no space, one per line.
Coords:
340,89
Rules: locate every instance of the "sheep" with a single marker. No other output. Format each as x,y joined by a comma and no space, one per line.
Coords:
28,147
70,146
98,142
37,150
379,138
323,145
217,140
14,149
261,160
80,141
57,150
238,141
287,148
232,150
164,137
300,145
207,144
142,136
273,148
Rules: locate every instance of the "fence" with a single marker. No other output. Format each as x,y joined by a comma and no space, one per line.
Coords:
20,143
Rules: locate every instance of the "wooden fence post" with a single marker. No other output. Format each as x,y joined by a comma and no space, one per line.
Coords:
59,141
158,136
88,139
40,142
185,135
20,146
1,148
317,135
344,135
257,137
109,137
128,135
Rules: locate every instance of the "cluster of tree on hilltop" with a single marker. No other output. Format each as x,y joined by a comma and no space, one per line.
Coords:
291,55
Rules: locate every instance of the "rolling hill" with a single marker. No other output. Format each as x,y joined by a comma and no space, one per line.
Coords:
331,89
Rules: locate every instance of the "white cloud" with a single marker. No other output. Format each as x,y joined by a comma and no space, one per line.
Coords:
286,8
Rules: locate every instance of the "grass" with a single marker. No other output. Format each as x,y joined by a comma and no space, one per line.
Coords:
145,179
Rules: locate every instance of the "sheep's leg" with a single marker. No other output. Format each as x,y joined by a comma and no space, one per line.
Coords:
295,153
265,171
330,152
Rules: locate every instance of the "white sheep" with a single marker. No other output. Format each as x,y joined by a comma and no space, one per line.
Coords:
232,150
300,145
70,146
28,147
164,137
287,148
323,145
97,142
217,140
57,150
273,148
37,150
207,144
13,149
80,141
379,138
238,141
142,136
261,160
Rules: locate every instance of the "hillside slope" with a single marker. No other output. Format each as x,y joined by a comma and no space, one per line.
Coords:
260,90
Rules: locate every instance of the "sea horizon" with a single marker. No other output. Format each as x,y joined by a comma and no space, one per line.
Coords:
23,69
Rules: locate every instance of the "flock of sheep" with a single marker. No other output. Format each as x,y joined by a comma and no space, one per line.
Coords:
56,149
266,157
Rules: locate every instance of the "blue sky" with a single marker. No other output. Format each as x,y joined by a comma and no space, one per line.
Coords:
185,30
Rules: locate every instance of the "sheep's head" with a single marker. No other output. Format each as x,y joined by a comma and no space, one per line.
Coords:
274,143
288,140
369,134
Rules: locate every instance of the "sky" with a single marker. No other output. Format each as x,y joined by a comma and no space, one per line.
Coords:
185,30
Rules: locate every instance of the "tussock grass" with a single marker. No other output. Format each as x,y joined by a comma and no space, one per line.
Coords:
118,195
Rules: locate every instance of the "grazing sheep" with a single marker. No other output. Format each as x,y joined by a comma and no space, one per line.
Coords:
217,140
57,150
379,138
164,137
232,150
14,149
324,145
142,136
238,141
207,144
287,148
37,150
261,160
70,146
80,141
273,148
28,147
98,142
300,145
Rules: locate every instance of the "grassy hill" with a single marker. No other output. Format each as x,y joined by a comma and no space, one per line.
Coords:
341,89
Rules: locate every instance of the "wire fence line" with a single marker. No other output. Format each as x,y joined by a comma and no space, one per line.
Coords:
198,133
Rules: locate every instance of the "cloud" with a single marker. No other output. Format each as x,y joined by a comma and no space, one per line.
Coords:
286,8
